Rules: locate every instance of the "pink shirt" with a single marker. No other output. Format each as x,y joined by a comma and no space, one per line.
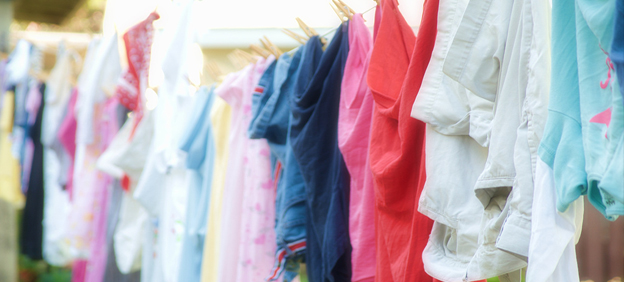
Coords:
67,137
87,221
354,124
247,232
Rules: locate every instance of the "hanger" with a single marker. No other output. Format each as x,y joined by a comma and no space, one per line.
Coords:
263,53
309,31
295,36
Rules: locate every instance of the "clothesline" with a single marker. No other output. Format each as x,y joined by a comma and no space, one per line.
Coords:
351,156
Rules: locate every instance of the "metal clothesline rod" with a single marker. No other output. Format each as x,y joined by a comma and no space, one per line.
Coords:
334,29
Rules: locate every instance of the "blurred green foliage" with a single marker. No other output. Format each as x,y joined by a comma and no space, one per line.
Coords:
87,19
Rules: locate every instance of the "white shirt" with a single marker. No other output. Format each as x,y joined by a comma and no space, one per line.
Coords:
552,255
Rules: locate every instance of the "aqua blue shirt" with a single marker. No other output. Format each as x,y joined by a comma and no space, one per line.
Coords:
585,112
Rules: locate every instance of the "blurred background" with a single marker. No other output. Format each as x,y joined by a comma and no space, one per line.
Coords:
223,26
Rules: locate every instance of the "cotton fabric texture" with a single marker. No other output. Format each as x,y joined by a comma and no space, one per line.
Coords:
552,256
199,145
585,105
249,169
397,142
314,137
56,161
125,157
31,234
272,120
354,125
220,117
602,108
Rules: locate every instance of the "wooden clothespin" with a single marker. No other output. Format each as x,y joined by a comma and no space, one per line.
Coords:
236,60
295,36
306,29
344,8
214,71
262,52
378,2
351,11
339,13
309,31
272,47
246,56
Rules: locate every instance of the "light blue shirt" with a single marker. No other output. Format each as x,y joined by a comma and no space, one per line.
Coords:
199,145
580,138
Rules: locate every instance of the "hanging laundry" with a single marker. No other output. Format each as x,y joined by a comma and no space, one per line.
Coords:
586,103
58,94
220,117
10,186
248,170
199,144
125,158
67,137
354,125
617,45
314,138
397,142
552,253
457,123
132,84
31,238
162,188
272,120
602,108
112,272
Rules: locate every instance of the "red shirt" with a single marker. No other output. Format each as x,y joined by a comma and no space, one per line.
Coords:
397,147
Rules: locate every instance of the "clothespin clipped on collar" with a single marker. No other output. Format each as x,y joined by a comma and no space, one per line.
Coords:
240,58
344,8
263,53
249,58
295,36
309,31
271,47
214,71
338,12
378,2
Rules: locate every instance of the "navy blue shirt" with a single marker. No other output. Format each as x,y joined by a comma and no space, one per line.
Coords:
314,137
617,46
